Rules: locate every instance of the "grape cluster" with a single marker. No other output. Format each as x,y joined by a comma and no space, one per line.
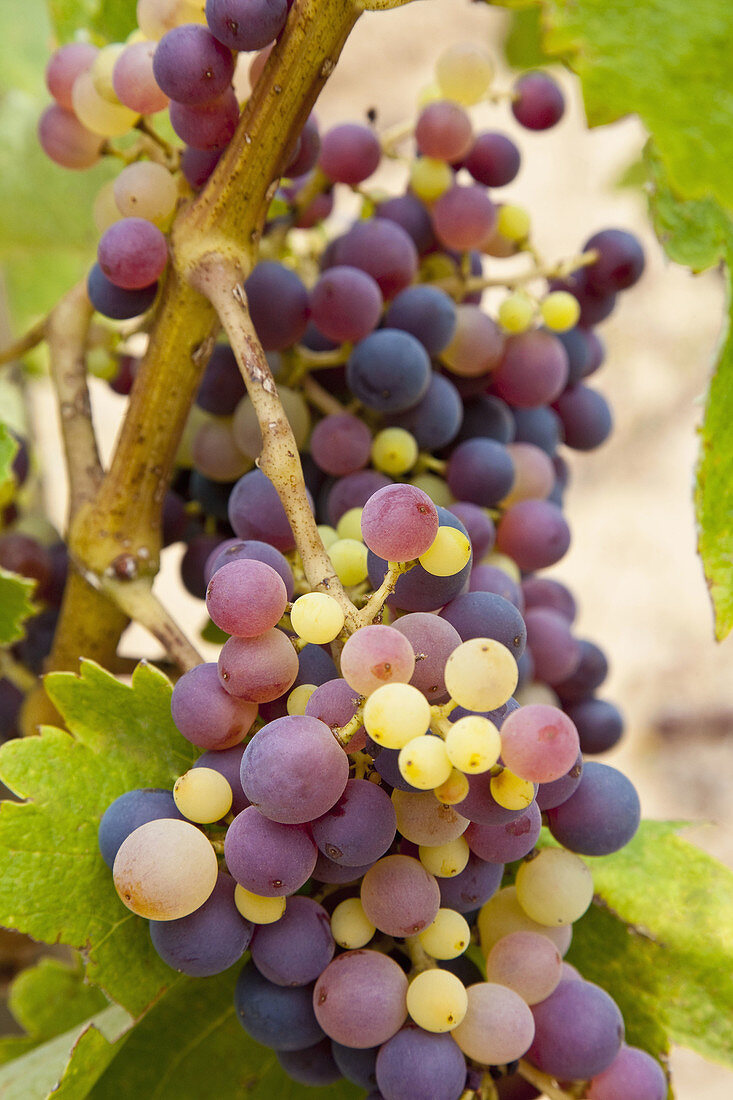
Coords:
365,817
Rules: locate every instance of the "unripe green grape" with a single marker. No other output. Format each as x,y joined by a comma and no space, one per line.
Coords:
298,698
349,560
394,451
435,487
349,526
513,222
473,744
203,795
510,791
146,190
447,937
328,534
430,178
481,674
257,909
437,1000
560,310
516,312
555,887
464,73
316,617
165,869
350,926
445,860
424,763
395,714
449,552
101,70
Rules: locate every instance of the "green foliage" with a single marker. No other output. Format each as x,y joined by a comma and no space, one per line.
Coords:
8,450
106,20
663,947
54,884
15,605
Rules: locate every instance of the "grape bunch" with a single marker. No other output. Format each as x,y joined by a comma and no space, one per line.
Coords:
365,819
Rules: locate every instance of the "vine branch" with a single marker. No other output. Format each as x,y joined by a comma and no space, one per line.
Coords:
29,340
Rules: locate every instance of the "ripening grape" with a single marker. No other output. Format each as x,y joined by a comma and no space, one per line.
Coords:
203,795
257,909
498,1026
447,937
146,190
317,617
423,762
526,962
555,887
350,926
98,114
437,1000
423,820
453,790
502,914
165,869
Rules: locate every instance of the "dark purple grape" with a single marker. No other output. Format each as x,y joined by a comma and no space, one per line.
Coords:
255,512
416,1063
113,302
578,1031
577,346
353,491
481,471
350,153
313,1066
478,523
129,812
359,828
191,66
296,948
473,887
602,814
620,261
489,417
305,157
489,578
427,313
493,160
198,164
193,563
24,555
34,648
389,371
266,857
538,102
436,418
238,549
222,386
479,804
412,216
209,126
540,426
206,714
175,518
383,249
341,444
11,700
534,533
599,723
547,592
589,674
246,25
433,639
486,615
505,843
207,941
278,304
280,1017
595,306
559,790
632,1075
213,496
315,666
586,417
555,652
345,304
357,1066
329,872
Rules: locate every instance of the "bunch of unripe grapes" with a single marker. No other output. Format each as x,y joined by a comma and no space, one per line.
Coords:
365,817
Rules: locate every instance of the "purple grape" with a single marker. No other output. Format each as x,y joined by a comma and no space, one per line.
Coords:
620,262
399,522
278,304
427,313
275,779
433,639
357,1066
193,563
312,1066
559,790
533,369
540,426
65,141
113,302
280,1017
359,828
222,387
418,590
238,549
489,578
207,941
350,153
246,25
487,416
436,418
411,215
305,157
479,525
258,669
463,217
197,166
352,491
632,1075
341,444
333,702
538,103
24,555
585,416
389,371
599,724
297,948
246,597
386,763
255,512
480,471
595,306
315,666
443,131
191,66
213,496
493,160
334,874
555,652
589,674
486,615
268,858
359,999
477,882
383,249
228,763
64,65
479,804
534,533
128,812
206,714
417,1063
549,593
11,700
577,346
345,304
209,126
505,843
578,1031
602,814
399,896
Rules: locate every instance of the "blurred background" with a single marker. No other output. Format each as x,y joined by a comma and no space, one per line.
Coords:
632,564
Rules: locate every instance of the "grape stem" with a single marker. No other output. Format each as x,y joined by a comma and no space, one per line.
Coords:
373,607
220,280
343,734
543,1082
321,399
456,286
35,335
136,599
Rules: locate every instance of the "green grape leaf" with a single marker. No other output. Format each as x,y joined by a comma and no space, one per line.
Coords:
714,486
68,1065
106,20
15,605
523,43
664,946
46,1000
8,451
54,884
174,1052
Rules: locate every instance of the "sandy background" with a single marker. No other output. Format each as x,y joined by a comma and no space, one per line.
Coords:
632,564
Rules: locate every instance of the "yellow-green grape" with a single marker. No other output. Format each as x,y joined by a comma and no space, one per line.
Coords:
481,674
454,790
502,914
430,178
155,17
560,310
555,887
298,698
394,451
102,364
473,744
516,312
349,560
203,795
165,869
445,860
98,114
447,937
350,926
537,692
317,617
437,1000
329,535
510,791
395,714
513,222
105,211
436,266
505,563
101,70
464,73
429,93
256,908
146,190
424,763
349,526
435,487
449,553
